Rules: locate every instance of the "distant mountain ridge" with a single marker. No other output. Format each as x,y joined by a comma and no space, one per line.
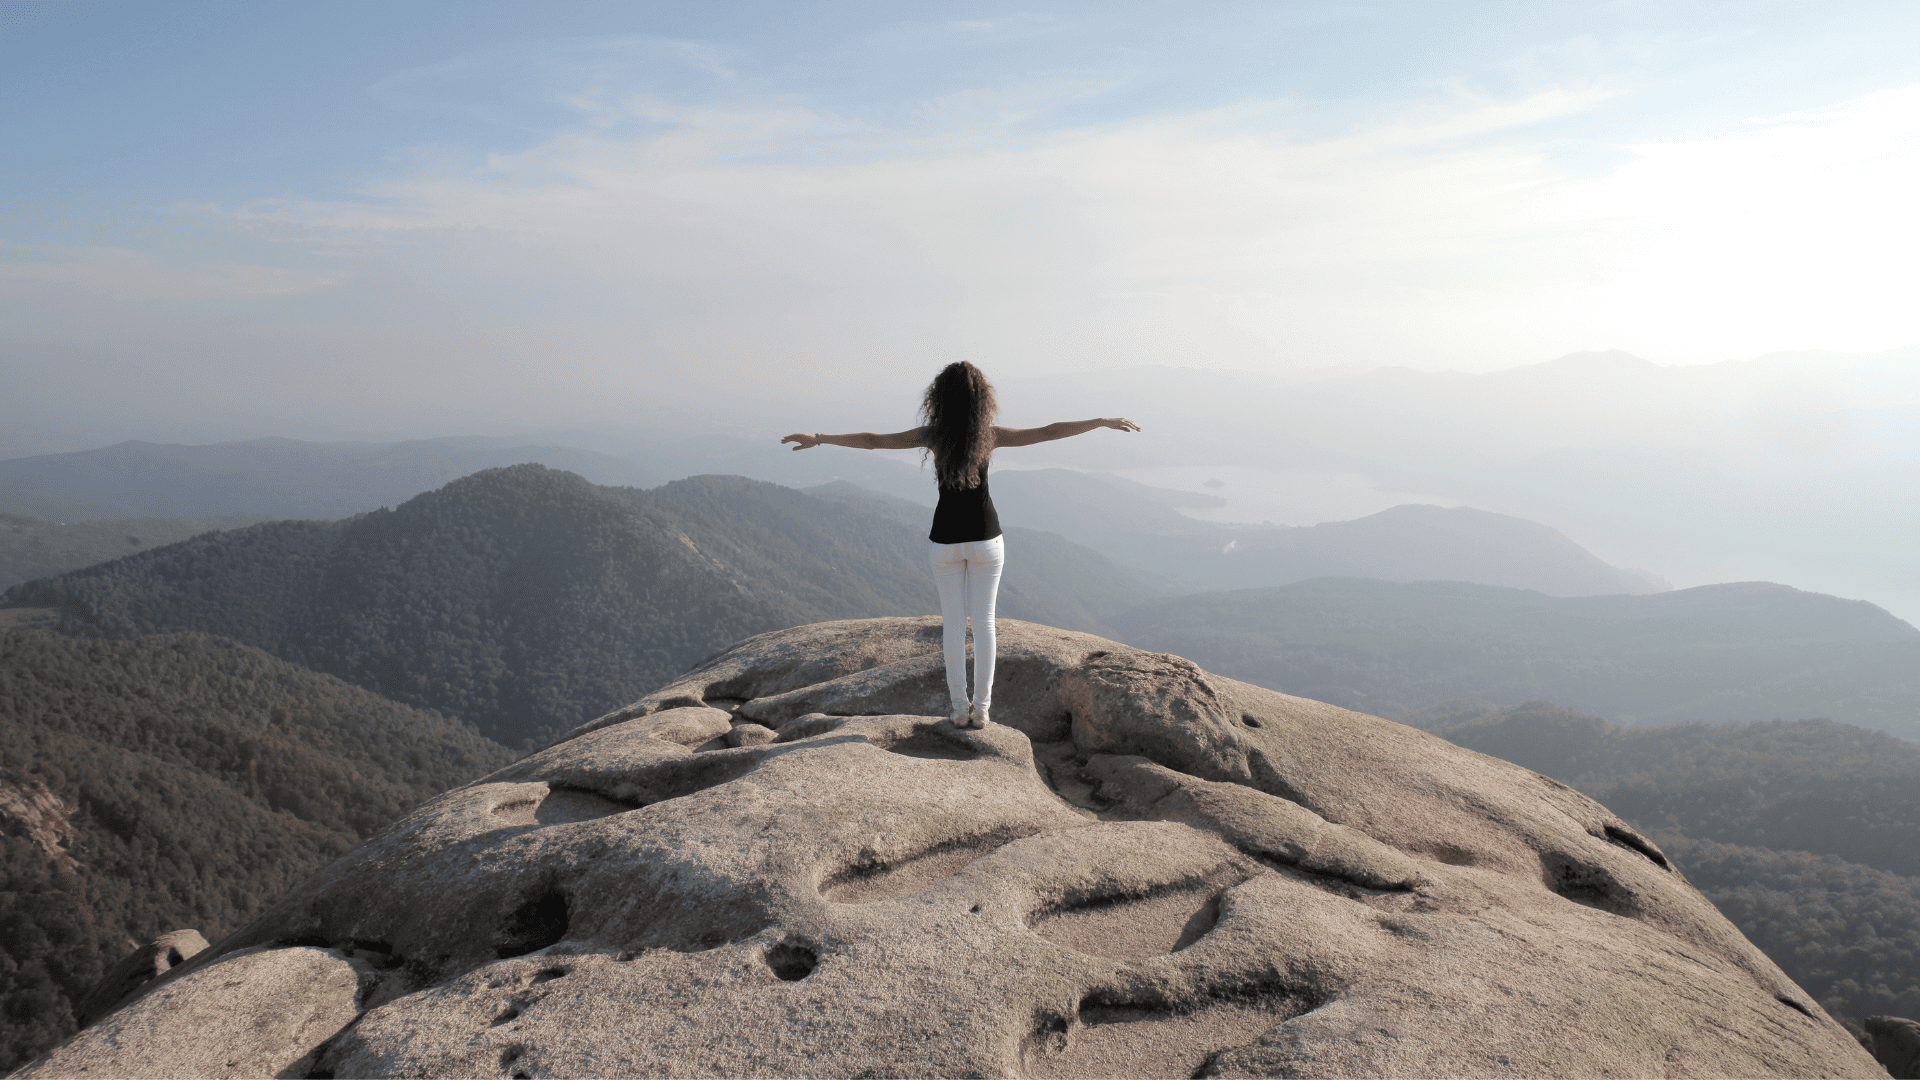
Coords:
1786,467
1717,653
1141,527
269,478
527,600
1133,524
1436,543
1404,543
32,548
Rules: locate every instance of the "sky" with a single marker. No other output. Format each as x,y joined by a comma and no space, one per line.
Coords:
360,219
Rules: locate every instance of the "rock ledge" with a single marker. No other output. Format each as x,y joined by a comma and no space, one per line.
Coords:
786,863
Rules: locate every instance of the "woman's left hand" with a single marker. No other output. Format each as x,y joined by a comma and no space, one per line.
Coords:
806,441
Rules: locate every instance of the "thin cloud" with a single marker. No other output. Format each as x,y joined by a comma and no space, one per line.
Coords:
706,251
1083,227
127,276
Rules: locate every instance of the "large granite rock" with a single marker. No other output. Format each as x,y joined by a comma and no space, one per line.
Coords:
135,970
255,1012
787,863
1896,1043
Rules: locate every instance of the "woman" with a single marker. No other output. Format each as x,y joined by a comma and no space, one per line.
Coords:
966,552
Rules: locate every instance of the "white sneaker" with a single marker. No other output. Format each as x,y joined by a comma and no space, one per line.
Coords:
960,712
979,716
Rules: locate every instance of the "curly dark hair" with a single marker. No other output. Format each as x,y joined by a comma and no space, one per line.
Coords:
959,411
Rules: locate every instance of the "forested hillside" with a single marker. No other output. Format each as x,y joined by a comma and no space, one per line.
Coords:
1848,934
1717,653
528,600
1788,785
180,780
1802,833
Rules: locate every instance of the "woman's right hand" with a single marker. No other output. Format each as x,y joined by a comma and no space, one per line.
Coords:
1118,423
805,442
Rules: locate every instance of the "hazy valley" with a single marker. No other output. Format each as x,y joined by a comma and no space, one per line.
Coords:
1715,653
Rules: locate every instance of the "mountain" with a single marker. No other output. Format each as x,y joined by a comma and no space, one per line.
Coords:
180,780
269,478
31,548
1133,524
1801,832
526,599
901,475
1141,527
1748,651
1434,543
1787,467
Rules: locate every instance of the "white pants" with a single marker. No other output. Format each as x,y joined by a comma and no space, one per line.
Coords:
968,577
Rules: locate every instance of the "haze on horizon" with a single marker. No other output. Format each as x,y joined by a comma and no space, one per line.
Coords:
228,221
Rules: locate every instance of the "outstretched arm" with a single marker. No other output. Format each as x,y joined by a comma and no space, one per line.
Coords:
1006,436
862,440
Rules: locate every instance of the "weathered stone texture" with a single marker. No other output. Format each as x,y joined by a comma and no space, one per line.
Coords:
135,970
789,862
255,1012
30,809
1896,1043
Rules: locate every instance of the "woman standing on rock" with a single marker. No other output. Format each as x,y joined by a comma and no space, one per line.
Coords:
966,552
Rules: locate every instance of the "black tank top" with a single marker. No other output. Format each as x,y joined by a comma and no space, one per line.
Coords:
965,514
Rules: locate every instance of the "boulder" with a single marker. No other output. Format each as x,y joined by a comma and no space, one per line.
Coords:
1896,1043
752,735
135,970
1140,869
254,1012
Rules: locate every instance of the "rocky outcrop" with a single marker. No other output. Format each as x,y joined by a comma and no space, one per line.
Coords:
29,808
788,863
258,1012
1896,1043
135,970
